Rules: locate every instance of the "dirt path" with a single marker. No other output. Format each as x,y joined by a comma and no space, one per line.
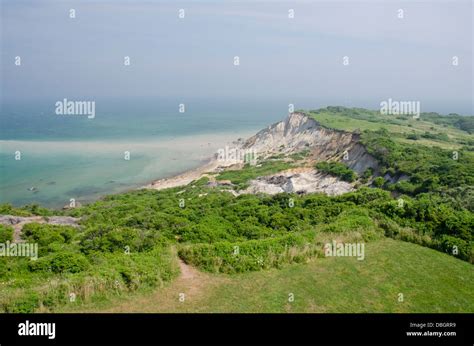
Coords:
187,272
186,293
19,226
191,280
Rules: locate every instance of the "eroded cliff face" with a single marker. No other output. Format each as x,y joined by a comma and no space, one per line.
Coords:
359,160
295,133
301,181
299,132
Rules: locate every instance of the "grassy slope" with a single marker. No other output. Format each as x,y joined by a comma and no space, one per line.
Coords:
429,280
394,126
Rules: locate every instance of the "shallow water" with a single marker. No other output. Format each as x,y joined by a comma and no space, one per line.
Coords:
74,157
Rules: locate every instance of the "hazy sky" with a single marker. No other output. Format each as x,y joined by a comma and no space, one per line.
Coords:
280,58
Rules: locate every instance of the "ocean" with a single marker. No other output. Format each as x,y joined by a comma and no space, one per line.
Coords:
49,159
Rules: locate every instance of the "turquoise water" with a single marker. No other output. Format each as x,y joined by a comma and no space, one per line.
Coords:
64,157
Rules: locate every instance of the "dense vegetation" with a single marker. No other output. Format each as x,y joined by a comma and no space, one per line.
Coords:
239,257
433,170
431,154
126,240
70,270
6,234
337,169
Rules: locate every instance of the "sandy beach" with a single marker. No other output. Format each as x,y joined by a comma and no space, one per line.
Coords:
211,166
184,178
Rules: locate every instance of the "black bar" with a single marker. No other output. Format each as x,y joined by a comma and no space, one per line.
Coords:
259,329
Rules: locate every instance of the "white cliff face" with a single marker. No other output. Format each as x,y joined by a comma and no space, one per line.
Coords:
294,134
299,132
304,181
359,160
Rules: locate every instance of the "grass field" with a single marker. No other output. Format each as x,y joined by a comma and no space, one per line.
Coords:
396,126
430,281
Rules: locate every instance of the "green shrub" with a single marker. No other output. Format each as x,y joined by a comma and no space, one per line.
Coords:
68,263
405,187
62,262
354,220
27,303
379,182
6,233
111,239
413,136
8,209
200,182
411,236
252,255
45,234
368,173
35,209
456,247
337,169
436,136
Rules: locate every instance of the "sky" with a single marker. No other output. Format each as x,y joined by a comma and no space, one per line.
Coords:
281,58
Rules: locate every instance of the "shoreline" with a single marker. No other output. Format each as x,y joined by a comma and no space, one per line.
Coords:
183,148
183,178
212,163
